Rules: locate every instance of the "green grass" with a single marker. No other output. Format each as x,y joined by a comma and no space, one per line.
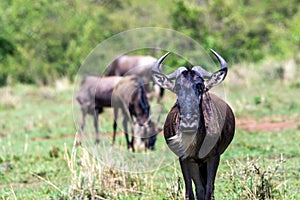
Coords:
38,159
33,133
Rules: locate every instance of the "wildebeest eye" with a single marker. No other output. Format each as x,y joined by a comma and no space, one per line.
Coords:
199,87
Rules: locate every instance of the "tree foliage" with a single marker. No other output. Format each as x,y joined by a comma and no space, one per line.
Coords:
243,30
42,40
45,39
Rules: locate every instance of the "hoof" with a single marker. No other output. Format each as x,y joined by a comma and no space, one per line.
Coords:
97,141
77,144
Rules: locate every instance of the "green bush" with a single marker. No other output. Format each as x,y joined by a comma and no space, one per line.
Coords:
244,31
44,40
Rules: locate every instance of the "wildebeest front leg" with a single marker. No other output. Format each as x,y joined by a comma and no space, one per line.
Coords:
185,168
212,167
198,180
96,114
126,132
82,123
132,136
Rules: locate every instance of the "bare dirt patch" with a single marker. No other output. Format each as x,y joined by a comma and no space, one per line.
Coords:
69,136
265,125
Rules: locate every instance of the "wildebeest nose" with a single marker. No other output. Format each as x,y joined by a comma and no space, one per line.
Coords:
189,122
188,116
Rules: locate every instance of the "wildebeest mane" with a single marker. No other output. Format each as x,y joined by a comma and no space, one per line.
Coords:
143,100
139,91
213,108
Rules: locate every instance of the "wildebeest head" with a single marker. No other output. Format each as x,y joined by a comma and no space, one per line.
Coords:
189,86
139,106
146,130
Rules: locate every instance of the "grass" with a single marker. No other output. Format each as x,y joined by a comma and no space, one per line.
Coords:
33,135
38,159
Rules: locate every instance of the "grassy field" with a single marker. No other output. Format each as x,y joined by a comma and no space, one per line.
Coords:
39,161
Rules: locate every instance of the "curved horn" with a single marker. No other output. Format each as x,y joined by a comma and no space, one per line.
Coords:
221,60
202,72
173,75
155,67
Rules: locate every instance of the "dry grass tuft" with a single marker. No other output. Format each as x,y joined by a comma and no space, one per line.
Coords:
92,180
251,180
8,99
62,84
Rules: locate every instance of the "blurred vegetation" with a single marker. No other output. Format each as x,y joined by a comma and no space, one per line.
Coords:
244,30
43,40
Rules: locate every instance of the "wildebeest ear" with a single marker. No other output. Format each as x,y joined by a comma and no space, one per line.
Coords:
162,81
216,79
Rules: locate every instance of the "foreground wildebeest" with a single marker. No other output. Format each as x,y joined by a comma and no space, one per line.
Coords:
138,65
96,92
199,127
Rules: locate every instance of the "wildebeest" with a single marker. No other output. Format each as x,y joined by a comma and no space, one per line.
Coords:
96,92
138,65
129,96
200,125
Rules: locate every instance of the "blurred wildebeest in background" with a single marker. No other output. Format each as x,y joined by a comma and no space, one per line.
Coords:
96,92
129,96
199,127
138,65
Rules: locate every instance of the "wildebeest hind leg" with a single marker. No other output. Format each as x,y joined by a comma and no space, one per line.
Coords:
96,114
116,110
